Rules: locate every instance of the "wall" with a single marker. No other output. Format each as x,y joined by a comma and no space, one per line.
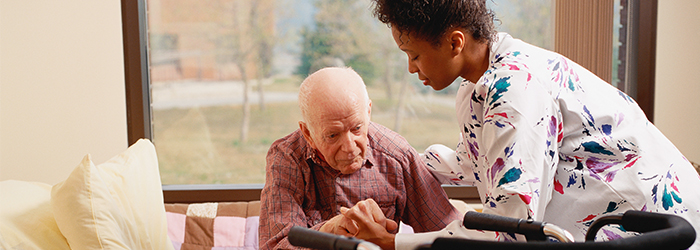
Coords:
61,86
677,104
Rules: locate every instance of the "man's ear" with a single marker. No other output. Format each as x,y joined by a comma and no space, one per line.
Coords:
457,40
307,134
369,109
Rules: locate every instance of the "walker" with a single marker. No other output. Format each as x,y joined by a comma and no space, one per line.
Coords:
657,231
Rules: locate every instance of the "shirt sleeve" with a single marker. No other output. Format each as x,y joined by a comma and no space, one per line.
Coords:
511,138
427,208
453,230
281,199
444,163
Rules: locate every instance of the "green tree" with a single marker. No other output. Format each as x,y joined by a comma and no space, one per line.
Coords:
344,33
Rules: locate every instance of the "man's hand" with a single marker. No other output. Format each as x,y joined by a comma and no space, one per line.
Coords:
371,223
340,225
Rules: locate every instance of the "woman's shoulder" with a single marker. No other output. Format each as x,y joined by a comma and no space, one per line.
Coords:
508,51
515,60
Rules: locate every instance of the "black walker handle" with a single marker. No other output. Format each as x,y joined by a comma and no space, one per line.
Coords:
533,230
658,231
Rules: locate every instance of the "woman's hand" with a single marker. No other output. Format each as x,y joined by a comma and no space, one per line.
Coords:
340,225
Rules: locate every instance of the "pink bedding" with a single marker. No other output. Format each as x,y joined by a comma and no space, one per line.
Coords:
216,226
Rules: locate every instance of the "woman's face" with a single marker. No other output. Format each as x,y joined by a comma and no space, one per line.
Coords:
433,64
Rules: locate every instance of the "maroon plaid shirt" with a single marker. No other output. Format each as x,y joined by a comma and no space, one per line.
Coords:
301,189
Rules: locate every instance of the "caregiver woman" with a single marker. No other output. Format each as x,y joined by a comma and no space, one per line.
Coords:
544,137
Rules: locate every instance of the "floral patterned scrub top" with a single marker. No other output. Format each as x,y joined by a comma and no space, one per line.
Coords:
547,139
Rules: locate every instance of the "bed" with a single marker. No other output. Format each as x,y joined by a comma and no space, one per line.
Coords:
119,205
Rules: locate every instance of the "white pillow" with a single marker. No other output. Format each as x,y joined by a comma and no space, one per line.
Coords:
26,220
115,205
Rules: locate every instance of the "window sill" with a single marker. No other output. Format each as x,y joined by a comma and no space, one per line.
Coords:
251,192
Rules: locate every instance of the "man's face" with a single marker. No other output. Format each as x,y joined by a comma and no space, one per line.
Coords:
431,63
340,135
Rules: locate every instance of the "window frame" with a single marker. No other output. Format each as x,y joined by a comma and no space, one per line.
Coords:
138,98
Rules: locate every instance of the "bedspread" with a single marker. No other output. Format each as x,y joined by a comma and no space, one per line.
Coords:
216,226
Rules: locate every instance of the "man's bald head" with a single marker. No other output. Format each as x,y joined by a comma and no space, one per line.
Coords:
330,91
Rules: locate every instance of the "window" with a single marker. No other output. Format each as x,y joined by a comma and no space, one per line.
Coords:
214,83
529,20
224,79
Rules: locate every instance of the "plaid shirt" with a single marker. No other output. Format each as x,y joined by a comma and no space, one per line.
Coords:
301,189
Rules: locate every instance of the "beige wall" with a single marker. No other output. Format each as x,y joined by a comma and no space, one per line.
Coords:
61,86
677,104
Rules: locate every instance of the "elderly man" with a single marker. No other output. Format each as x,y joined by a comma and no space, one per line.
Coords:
338,159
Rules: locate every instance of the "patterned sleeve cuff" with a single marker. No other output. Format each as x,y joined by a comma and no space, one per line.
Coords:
454,229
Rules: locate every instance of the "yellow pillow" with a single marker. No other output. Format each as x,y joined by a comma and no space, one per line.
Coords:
115,205
26,220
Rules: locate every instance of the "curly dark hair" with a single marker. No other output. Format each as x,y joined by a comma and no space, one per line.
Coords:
430,19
